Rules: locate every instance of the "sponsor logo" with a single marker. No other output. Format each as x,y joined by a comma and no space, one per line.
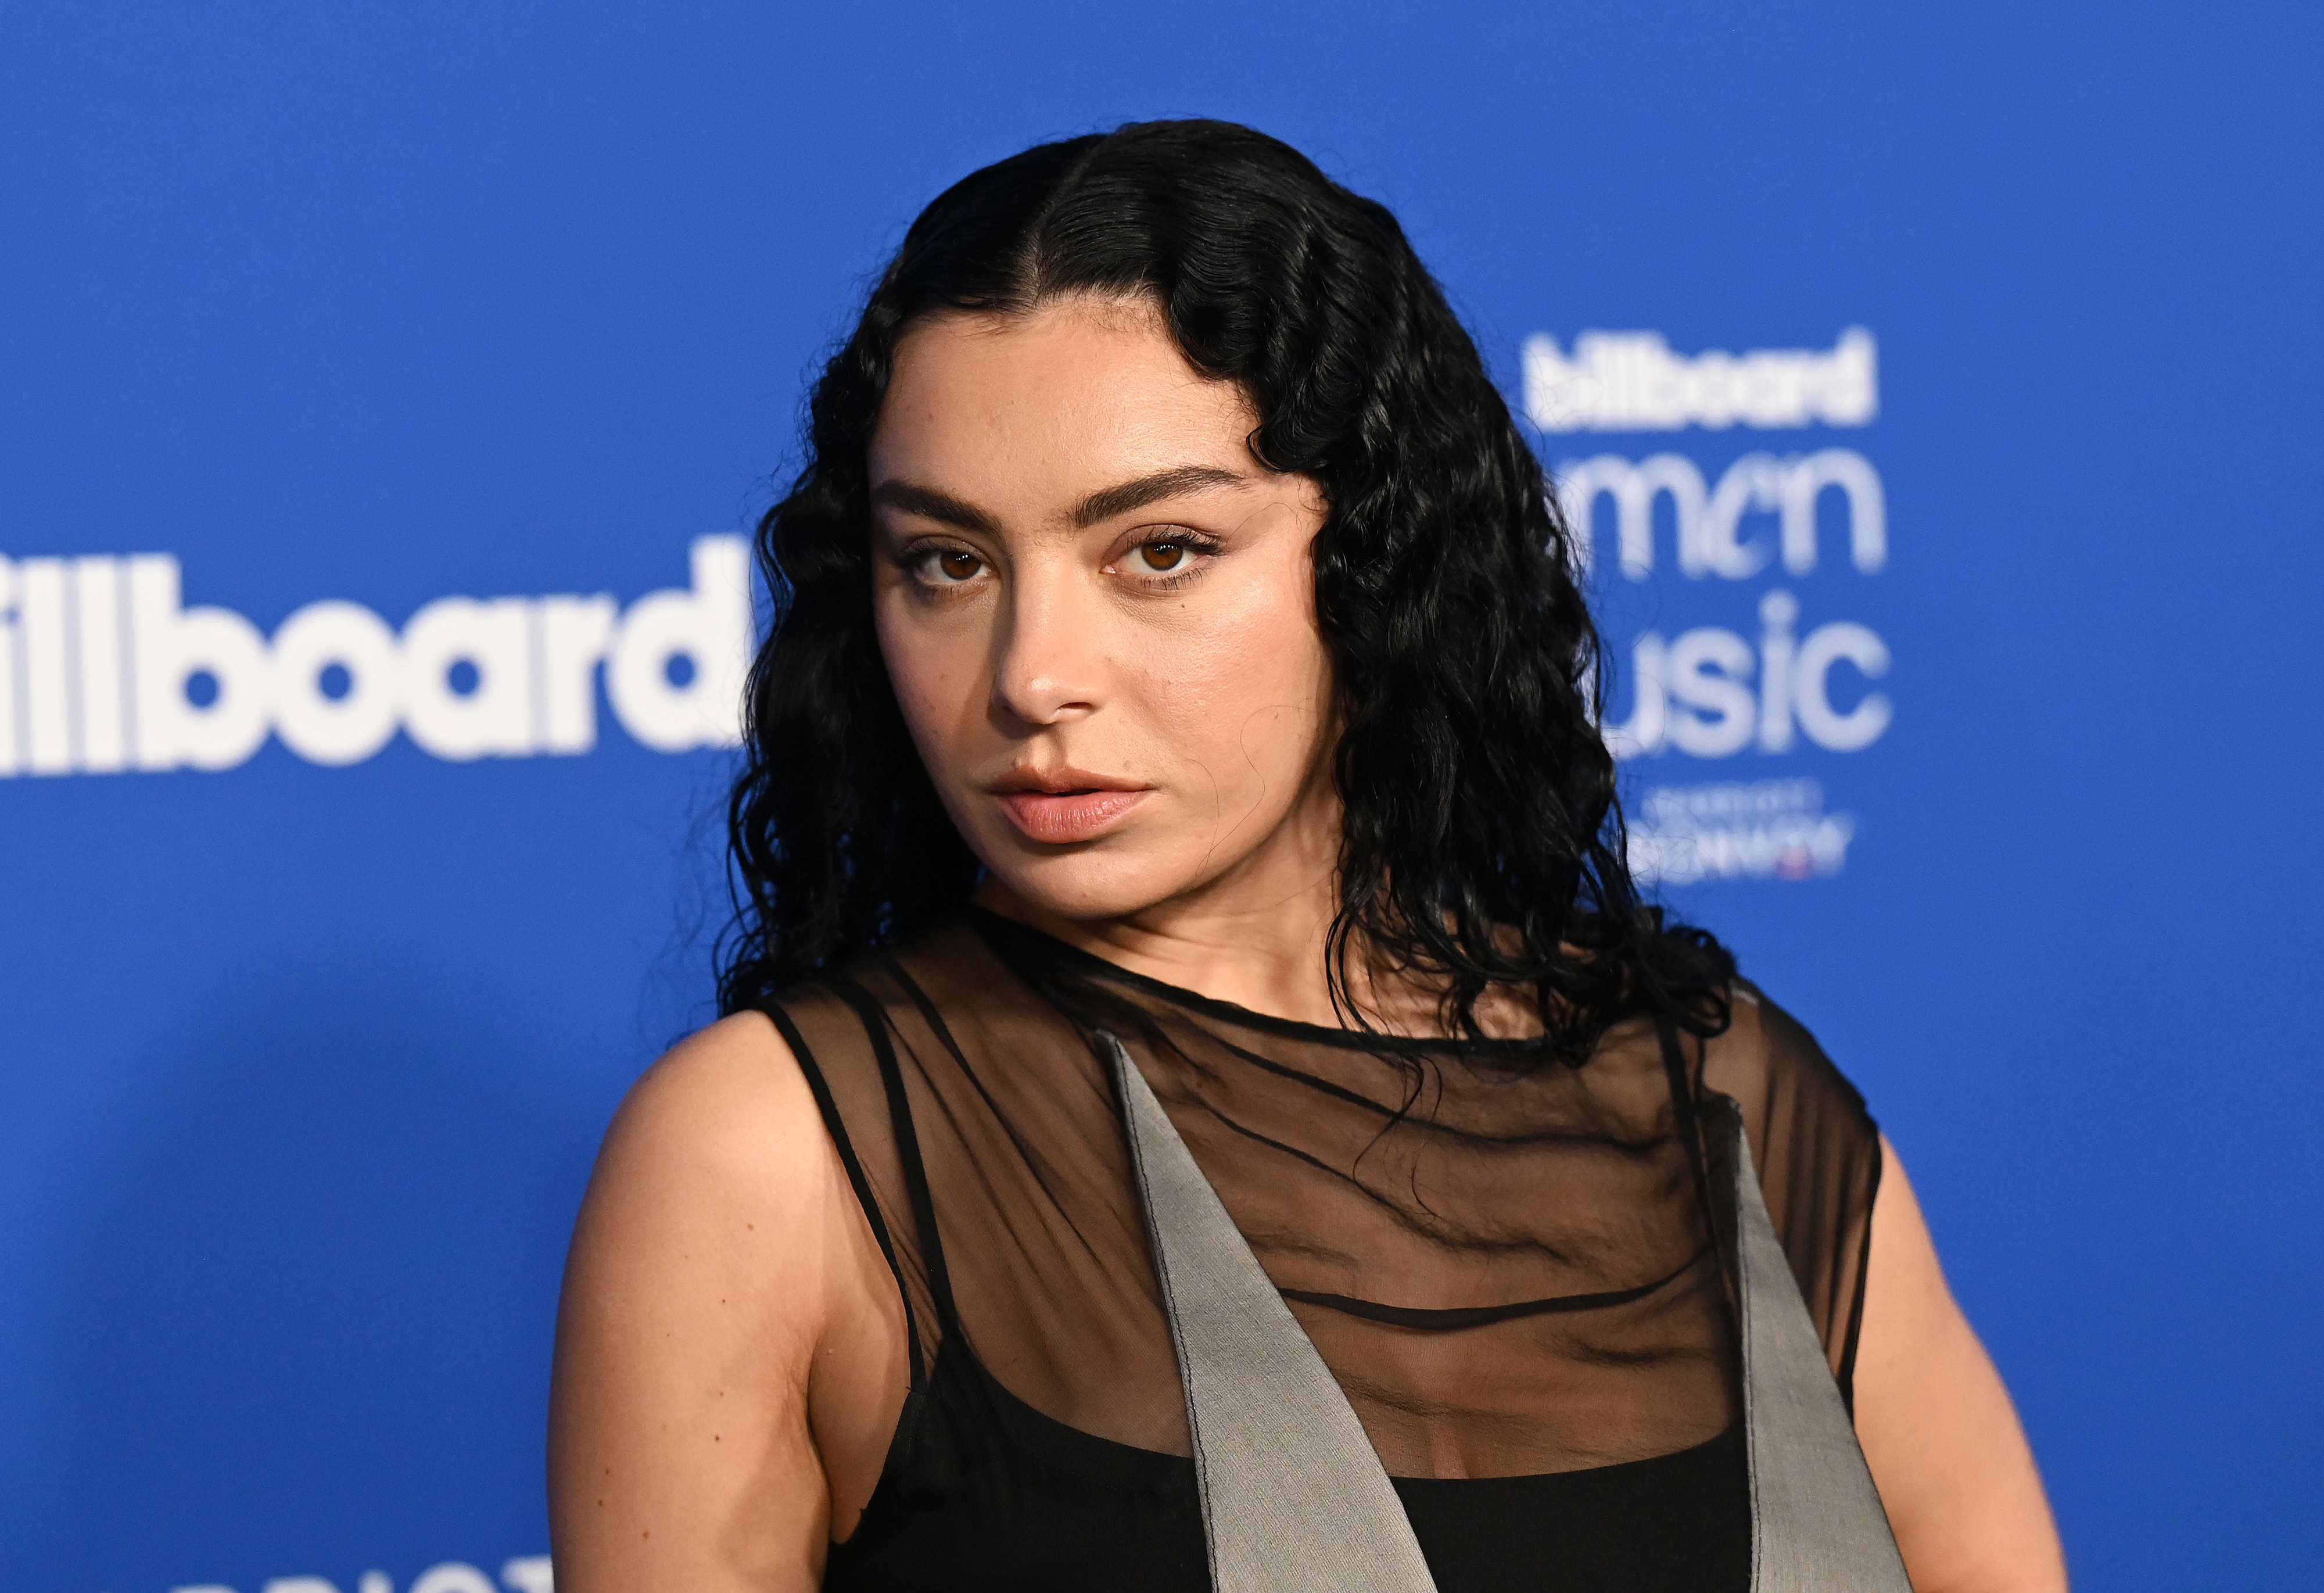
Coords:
1635,382
1756,829
530,1574
104,671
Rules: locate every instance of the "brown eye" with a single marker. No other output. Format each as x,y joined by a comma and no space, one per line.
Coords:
958,565
1163,556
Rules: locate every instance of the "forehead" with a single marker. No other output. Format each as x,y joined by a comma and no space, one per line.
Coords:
1030,413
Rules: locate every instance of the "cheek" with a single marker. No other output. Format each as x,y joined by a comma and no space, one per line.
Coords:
934,672
1245,689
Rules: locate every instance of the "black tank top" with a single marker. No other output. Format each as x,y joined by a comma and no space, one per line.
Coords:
956,1080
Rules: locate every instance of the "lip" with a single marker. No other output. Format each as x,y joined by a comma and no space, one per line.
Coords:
1057,807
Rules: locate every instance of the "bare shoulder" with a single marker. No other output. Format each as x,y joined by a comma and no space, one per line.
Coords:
719,1250
726,1100
717,1170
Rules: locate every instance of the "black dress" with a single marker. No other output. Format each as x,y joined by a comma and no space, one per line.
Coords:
1509,1268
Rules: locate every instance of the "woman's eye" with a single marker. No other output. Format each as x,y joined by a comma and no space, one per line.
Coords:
957,564
1161,558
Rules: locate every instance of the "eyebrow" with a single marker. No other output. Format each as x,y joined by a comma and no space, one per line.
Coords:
1103,504
1108,502
931,504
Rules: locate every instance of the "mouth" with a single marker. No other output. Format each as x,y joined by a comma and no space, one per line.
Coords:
1061,806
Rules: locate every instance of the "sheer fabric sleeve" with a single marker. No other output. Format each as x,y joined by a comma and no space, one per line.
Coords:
836,1047
1818,1153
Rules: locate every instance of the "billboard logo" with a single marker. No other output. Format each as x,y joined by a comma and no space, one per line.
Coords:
1694,693
104,670
1712,524
1635,382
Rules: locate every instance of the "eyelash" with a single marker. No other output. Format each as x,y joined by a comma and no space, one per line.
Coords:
916,558
1193,541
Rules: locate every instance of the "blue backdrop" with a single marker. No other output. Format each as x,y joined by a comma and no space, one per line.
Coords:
1940,382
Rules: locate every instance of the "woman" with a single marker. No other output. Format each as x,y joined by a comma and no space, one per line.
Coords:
1176,826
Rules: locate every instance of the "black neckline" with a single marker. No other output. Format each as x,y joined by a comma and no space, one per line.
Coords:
996,930
1126,1463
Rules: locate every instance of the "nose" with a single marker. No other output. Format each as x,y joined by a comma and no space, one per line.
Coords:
1050,666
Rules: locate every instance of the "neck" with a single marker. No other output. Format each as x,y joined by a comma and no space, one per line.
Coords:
1257,935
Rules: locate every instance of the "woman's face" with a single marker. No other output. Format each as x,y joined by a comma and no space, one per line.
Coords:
1098,612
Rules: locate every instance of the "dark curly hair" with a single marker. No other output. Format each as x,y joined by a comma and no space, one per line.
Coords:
1482,841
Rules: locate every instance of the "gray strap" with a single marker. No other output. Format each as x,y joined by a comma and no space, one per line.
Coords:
1817,1525
1294,1499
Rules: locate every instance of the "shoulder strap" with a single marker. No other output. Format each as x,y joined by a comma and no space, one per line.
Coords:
1294,1499
907,1420
874,1019
1817,1524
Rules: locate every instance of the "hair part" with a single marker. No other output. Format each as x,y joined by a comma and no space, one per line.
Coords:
1482,841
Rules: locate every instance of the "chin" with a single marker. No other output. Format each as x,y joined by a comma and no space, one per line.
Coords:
1088,885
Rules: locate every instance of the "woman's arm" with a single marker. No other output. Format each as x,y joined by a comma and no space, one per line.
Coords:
730,1346
1937,1426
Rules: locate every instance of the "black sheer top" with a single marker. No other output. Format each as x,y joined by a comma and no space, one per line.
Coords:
1508,1267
